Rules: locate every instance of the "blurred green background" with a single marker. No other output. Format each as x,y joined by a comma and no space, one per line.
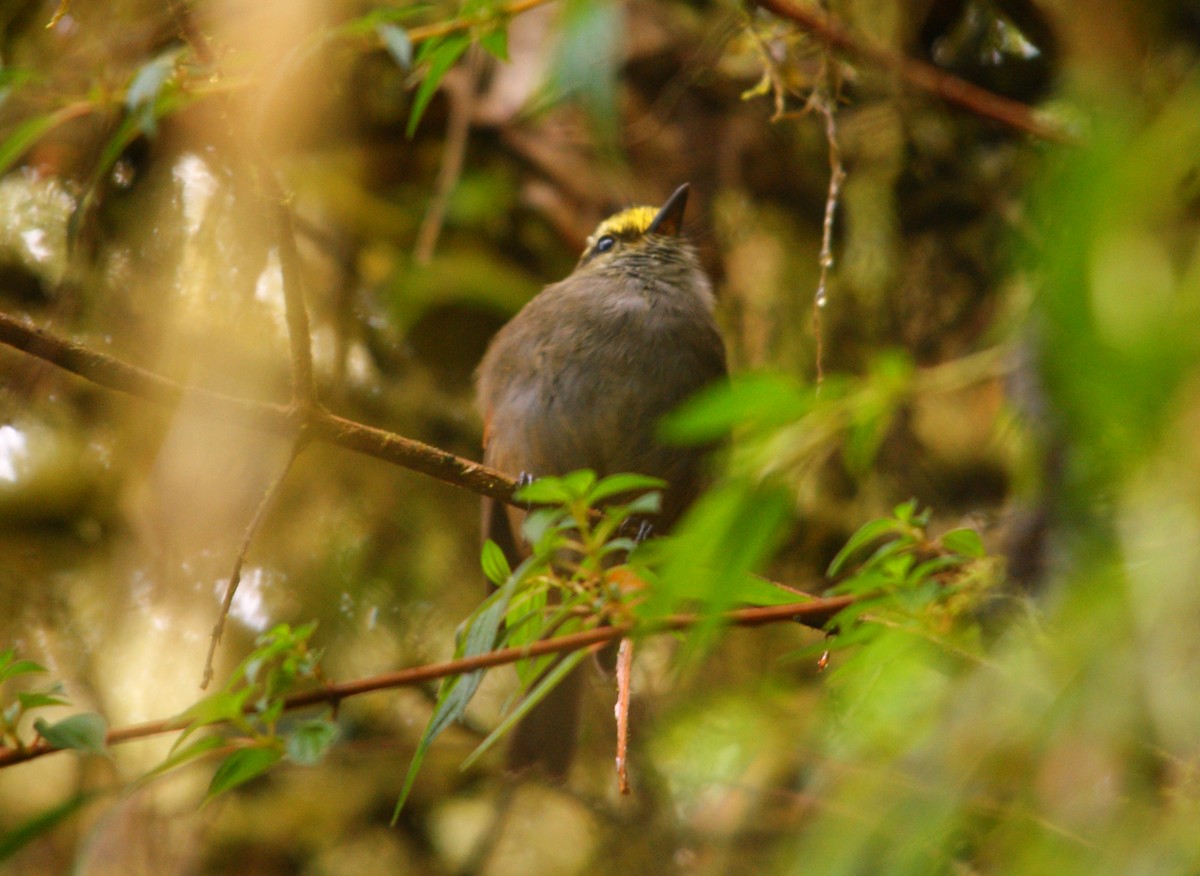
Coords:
1010,337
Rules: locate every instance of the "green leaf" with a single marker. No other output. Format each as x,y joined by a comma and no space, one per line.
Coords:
10,669
726,534
181,755
540,523
480,636
758,400
964,541
495,564
867,533
34,700
395,40
930,568
310,740
214,708
545,491
495,43
586,64
528,702
623,483
15,839
240,767
441,57
83,732
25,135
647,503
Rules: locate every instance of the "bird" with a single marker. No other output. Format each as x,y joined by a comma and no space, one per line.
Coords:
579,378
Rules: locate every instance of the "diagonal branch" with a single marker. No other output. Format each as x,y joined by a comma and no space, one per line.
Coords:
235,576
288,420
959,92
815,613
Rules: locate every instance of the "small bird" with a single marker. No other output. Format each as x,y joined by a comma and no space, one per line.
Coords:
580,377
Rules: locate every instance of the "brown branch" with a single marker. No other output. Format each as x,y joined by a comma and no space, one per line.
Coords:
429,31
824,27
824,101
814,613
624,682
304,390
235,576
461,93
288,420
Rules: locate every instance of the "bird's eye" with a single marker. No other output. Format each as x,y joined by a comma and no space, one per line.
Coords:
604,244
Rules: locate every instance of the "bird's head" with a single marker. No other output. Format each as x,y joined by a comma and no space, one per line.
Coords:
637,234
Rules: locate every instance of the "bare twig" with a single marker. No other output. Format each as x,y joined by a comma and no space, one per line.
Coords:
299,338
949,88
624,681
461,92
814,613
824,102
235,577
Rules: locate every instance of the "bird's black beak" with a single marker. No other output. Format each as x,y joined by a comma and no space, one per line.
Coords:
670,218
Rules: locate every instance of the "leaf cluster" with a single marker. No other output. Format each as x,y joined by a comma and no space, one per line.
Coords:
84,731
251,705
579,575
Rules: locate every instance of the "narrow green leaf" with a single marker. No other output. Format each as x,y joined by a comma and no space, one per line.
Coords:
495,43
83,732
440,61
931,567
623,483
240,767
12,841
540,523
20,667
729,532
528,702
25,135
544,491
759,400
184,754
866,534
34,700
480,636
214,708
647,503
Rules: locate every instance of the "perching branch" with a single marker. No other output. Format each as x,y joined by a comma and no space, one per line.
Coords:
814,613
959,92
112,373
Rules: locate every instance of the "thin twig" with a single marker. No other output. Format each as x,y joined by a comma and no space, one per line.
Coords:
825,103
949,88
304,390
458,128
624,682
814,613
235,576
444,28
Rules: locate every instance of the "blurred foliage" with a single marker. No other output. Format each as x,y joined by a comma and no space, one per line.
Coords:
1007,421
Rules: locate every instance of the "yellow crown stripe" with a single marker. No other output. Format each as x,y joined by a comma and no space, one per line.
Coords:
627,223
